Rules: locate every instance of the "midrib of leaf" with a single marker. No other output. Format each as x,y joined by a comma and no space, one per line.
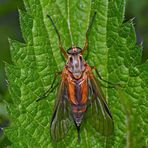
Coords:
68,22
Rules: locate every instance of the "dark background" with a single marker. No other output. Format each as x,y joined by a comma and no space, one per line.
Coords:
9,28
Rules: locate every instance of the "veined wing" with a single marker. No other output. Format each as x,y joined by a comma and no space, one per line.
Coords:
61,119
100,115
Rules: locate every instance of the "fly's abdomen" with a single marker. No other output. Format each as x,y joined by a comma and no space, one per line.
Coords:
78,96
78,112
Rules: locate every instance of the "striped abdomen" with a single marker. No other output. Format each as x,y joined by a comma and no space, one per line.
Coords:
77,94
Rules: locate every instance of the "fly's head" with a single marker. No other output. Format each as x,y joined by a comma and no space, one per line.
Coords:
75,62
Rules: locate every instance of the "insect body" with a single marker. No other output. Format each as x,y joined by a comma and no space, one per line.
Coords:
75,77
78,92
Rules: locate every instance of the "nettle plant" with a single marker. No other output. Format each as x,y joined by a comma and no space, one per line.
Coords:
112,50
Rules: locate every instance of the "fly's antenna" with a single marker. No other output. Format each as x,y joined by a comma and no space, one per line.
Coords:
55,28
60,43
89,27
91,22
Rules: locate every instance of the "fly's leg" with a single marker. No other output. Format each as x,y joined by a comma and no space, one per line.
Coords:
112,84
60,43
52,87
47,93
86,40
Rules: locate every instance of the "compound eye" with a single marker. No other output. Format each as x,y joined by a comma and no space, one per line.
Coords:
80,58
71,59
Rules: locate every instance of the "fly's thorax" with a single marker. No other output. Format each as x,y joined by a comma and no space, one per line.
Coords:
75,65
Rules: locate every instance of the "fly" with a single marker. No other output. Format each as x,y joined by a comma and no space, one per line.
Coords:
79,92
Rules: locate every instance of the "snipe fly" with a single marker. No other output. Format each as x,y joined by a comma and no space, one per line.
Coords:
79,91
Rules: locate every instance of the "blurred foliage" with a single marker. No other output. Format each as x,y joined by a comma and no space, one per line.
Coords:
139,10
9,28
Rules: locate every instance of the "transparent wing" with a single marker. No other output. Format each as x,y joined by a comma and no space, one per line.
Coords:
61,119
100,115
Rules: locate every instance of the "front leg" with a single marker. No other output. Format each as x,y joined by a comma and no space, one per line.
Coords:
52,87
97,72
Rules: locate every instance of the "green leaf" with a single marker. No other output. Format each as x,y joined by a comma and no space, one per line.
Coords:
112,49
